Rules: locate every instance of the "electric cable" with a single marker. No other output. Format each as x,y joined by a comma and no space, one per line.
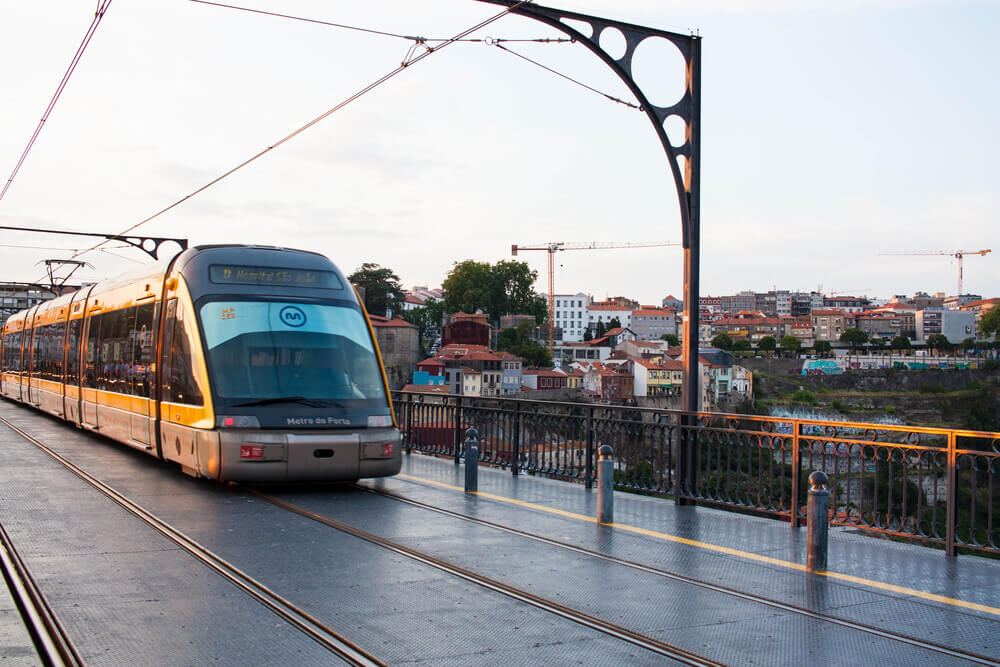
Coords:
102,7
369,30
568,78
371,86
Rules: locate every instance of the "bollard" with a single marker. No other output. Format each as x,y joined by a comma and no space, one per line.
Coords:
471,460
818,521
605,485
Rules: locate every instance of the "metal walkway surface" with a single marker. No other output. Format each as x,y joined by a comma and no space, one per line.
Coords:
692,577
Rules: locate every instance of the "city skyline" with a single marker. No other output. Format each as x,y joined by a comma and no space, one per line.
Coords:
818,130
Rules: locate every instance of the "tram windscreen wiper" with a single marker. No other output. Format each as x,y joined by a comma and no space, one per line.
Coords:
302,400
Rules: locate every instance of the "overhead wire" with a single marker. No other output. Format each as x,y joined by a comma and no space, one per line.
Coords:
564,76
102,8
369,30
371,86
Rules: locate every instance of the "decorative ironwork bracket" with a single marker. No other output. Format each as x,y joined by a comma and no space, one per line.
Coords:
148,244
688,109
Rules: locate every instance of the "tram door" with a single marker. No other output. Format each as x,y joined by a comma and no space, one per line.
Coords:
91,365
28,361
143,358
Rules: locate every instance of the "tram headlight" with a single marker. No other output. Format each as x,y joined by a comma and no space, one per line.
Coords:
379,420
237,421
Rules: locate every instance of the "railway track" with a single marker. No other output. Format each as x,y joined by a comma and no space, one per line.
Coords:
347,650
700,583
54,647
298,618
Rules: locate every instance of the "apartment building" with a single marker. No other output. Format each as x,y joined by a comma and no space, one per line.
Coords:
829,324
570,315
651,323
955,325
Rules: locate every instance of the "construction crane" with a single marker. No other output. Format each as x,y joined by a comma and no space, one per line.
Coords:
957,254
553,247
852,292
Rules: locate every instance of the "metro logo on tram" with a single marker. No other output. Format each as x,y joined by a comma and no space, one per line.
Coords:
293,316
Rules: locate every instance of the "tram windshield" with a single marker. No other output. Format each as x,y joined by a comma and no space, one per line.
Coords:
299,354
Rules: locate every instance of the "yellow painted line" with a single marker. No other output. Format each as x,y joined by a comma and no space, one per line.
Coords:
933,597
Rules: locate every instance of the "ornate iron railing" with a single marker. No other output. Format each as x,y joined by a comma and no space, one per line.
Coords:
932,485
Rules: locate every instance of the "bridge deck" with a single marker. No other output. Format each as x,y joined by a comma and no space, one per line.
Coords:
127,595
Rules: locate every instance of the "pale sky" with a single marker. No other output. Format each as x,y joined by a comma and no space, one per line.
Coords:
832,131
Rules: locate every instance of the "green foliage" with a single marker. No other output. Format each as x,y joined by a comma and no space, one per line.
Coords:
614,323
791,343
504,288
989,323
723,341
383,293
990,365
804,397
854,337
900,343
982,415
600,329
673,340
931,389
938,342
840,407
767,344
427,317
518,342
742,345
822,347
587,335
968,344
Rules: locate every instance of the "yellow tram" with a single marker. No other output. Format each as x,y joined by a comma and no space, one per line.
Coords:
240,363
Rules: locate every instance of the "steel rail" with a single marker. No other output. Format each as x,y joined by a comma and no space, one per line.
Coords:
51,641
701,583
298,618
592,622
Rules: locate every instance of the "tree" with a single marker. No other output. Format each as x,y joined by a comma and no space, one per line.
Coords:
822,347
854,338
767,344
383,293
600,329
587,335
939,343
517,341
968,345
723,341
673,340
504,288
614,323
791,343
900,343
742,344
989,323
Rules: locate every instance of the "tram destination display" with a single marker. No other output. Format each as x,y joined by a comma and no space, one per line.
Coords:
228,274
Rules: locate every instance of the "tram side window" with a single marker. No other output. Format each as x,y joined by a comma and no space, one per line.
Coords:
180,385
73,351
116,350
47,360
12,352
15,352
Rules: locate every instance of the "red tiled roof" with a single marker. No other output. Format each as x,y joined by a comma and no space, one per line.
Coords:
982,302
378,321
646,311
